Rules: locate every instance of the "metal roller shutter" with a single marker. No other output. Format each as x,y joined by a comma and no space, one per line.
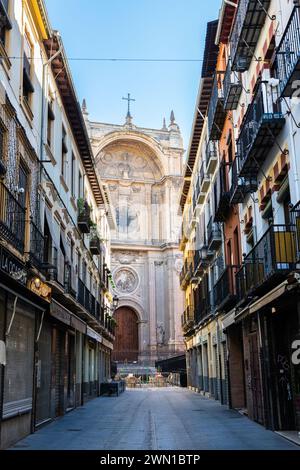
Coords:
18,381
43,375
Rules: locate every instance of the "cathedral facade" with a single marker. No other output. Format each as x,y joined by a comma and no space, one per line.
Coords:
142,170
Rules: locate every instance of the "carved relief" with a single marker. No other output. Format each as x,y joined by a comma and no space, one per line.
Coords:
126,280
127,161
126,257
160,334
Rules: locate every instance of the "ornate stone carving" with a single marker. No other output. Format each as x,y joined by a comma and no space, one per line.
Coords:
113,187
178,265
126,257
160,334
126,280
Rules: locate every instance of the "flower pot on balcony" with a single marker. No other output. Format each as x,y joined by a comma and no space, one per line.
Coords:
95,247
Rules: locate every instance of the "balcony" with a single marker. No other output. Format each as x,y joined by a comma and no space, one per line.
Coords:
262,124
295,220
273,257
288,56
104,276
188,319
95,244
240,186
84,216
211,157
204,180
225,288
201,260
221,195
86,299
232,89
249,20
202,300
186,273
214,235
12,219
216,113
37,241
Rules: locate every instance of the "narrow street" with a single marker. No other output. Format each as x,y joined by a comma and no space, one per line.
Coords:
154,419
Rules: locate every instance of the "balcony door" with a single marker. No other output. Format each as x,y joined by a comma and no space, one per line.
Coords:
126,345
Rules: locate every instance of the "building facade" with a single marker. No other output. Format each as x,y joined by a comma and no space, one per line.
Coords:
252,118
56,326
142,169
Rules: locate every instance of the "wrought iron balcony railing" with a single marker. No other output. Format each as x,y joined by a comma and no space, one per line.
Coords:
232,88
12,219
86,299
262,124
37,246
187,319
211,156
204,179
202,300
216,112
249,20
222,195
225,288
288,56
214,235
274,256
295,220
240,186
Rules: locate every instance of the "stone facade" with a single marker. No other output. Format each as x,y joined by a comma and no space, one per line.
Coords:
142,169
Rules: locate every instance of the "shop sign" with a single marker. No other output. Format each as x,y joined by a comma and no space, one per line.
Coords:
60,313
107,343
78,324
92,334
40,288
12,266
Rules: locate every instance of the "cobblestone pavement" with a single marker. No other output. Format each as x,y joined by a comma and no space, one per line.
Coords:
154,419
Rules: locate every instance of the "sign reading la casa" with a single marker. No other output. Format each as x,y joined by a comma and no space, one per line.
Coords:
14,268
10,265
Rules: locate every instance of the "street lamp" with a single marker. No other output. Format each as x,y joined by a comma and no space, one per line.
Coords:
115,302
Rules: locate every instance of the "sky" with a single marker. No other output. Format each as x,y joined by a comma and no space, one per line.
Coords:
147,29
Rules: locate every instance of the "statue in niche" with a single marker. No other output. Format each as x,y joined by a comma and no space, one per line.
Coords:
160,334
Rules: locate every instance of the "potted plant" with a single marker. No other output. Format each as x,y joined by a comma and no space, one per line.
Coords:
84,216
95,247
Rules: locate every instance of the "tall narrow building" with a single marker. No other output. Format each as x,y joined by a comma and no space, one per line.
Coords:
142,169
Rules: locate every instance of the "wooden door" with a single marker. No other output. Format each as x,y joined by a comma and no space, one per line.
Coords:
126,346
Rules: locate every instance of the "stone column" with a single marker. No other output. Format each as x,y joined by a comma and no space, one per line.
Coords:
152,305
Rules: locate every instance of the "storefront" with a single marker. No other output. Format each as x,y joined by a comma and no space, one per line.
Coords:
21,311
91,362
65,384
281,324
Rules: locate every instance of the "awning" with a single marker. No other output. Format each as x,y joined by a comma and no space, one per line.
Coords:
92,334
25,299
229,319
266,299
